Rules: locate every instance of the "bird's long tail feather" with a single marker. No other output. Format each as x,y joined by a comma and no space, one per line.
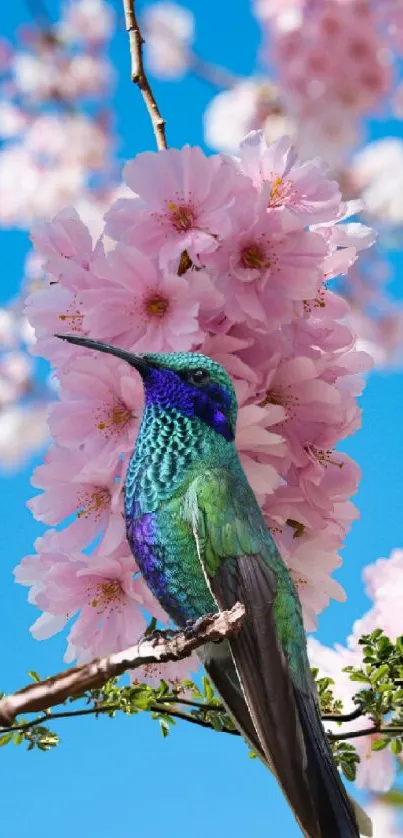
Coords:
225,679
283,707
332,804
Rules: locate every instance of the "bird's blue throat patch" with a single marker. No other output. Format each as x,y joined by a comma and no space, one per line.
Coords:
211,403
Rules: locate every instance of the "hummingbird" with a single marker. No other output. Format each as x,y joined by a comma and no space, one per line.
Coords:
202,544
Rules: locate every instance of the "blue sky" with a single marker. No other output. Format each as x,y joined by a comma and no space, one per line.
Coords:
113,777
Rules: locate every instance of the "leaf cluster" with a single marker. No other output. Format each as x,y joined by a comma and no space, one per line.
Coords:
378,702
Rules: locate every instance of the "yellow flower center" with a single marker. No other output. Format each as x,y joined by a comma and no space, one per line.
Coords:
157,306
281,191
112,419
181,216
318,302
253,256
275,191
107,595
324,458
93,503
283,397
271,397
73,317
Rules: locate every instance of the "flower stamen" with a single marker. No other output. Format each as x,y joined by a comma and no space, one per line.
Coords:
112,419
93,503
156,306
181,216
106,595
253,256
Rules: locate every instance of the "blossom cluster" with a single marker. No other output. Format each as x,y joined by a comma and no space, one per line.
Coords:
383,580
23,408
54,147
334,61
332,58
324,66
229,256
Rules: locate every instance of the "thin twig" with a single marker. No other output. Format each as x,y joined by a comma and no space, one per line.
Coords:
68,714
138,74
367,731
162,708
190,702
69,683
188,718
347,717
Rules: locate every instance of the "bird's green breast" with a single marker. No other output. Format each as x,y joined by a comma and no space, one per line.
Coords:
172,450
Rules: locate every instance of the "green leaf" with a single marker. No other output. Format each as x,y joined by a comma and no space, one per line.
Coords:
380,744
141,699
358,676
379,673
4,740
396,746
34,675
164,727
208,689
349,770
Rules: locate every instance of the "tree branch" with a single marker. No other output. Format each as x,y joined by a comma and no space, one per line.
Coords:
339,717
138,74
161,707
367,731
178,714
72,682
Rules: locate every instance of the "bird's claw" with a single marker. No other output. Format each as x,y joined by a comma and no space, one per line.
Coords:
159,634
193,627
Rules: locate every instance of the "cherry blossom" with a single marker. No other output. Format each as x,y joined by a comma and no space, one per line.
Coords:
182,204
99,410
300,192
73,487
101,588
145,308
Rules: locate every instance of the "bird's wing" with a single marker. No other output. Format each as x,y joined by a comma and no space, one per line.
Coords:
242,564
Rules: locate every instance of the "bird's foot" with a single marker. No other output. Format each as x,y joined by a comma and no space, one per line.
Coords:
193,627
159,634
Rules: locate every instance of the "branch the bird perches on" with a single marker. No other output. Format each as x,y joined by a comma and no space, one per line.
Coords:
56,689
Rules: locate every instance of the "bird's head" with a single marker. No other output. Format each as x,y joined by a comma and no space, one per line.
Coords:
188,382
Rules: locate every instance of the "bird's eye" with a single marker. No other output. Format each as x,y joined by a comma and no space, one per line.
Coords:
198,377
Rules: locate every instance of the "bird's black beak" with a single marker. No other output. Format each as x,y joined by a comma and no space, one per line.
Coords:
136,361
